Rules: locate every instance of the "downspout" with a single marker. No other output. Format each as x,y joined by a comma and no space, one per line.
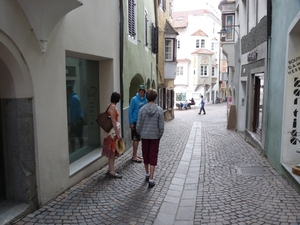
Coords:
121,59
156,66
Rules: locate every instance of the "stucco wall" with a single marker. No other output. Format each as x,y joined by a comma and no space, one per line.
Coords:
282,16
83,32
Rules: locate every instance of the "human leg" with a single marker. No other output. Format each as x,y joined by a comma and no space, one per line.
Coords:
109,150
153,155
136,139
145,151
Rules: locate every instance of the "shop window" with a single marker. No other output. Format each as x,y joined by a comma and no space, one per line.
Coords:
82,87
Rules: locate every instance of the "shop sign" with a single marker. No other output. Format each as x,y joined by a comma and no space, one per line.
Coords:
252,56
294,65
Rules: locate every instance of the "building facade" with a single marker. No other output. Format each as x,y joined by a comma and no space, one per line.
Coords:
198,55
282,119
262,55
166,57
139,57
57,72
245,43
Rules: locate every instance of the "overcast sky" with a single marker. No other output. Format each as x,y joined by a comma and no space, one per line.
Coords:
184,5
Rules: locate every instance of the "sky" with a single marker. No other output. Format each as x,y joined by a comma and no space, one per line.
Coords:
184,5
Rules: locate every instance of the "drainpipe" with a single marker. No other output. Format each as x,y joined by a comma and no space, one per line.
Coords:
156,66
121,59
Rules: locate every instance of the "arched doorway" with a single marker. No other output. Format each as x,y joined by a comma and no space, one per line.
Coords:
135,82
17,152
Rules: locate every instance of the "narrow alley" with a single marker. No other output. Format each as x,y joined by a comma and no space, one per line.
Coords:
206,174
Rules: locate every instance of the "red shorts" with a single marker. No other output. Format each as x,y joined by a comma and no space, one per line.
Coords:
150,151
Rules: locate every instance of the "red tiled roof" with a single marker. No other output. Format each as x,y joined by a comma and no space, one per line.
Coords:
203,51
183,60
181,18
199,33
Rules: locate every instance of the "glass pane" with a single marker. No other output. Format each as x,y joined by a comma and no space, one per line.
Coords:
82,80
168,49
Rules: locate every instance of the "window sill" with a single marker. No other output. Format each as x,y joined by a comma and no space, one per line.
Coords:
85,161
288,167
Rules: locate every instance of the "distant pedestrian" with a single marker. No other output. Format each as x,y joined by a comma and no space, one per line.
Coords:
136,103
202,104
150,126
109,143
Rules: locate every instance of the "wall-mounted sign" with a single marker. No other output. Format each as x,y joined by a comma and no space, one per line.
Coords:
252,56
294,65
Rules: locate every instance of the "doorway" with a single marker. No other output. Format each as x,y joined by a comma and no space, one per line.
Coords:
2,172
258,104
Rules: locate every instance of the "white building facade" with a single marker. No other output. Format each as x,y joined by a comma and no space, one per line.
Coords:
198,55
45,47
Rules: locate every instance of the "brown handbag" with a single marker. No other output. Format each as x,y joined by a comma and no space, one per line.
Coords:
104,121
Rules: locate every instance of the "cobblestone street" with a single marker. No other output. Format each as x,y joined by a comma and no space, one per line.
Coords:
206,174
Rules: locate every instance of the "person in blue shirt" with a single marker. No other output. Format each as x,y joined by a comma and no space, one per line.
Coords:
75,118
138,101
202,104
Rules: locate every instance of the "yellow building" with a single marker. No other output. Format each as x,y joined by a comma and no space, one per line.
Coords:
166,60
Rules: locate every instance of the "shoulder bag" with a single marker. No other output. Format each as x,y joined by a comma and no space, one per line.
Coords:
104,121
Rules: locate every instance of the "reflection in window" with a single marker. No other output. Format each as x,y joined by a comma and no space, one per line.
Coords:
229,23
82,79
169,49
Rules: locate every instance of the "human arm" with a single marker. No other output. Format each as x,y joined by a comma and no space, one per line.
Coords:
112,111
161,123
130,113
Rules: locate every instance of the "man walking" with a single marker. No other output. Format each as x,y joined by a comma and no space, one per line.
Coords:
138,101
202,104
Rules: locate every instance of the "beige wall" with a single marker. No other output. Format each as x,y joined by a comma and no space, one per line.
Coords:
83,32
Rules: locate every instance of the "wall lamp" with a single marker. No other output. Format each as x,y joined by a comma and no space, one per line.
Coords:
227,34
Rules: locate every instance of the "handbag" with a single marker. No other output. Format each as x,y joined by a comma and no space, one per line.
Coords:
104,121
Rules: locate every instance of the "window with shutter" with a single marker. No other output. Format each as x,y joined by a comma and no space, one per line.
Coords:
132,18
154,39
146,28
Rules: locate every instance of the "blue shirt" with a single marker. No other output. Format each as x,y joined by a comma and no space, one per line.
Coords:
135,104
76,111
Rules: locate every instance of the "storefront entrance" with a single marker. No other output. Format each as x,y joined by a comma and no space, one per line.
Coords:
2,173
258,104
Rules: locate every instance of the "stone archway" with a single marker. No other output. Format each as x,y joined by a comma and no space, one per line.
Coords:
135,82
18,184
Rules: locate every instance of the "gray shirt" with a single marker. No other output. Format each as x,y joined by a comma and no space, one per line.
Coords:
150,123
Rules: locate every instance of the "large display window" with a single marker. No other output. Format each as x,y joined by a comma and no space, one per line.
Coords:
82,87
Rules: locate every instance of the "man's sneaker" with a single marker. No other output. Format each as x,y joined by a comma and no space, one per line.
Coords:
147,178
151,184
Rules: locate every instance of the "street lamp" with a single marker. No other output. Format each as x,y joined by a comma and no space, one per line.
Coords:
228,30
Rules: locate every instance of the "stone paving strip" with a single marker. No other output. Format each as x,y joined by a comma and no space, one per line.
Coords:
179,204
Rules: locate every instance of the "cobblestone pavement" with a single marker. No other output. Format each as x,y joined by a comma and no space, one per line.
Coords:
206,174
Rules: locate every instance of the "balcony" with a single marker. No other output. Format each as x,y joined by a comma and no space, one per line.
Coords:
43,16
170,70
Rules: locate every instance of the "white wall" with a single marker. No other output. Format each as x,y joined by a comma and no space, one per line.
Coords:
85,31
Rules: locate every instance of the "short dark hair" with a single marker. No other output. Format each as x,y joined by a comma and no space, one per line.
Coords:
151,95
115,97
